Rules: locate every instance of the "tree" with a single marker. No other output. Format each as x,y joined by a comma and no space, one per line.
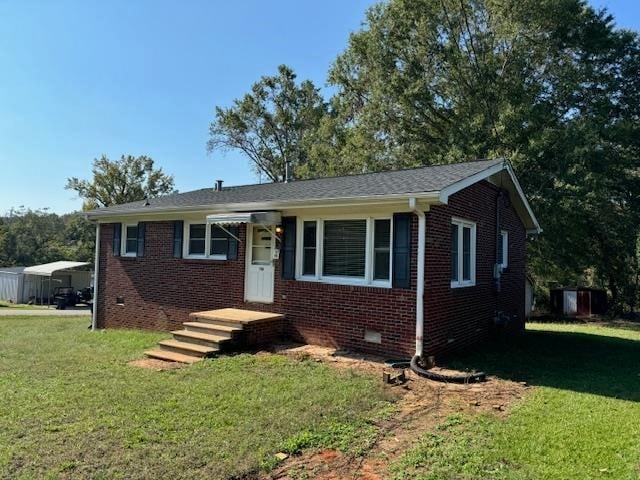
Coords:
29,237
272,125
550,85
128,179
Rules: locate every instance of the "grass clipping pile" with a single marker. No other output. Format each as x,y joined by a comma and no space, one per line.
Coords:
422,405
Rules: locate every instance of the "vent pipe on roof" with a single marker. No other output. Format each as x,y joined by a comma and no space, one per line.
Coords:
218,185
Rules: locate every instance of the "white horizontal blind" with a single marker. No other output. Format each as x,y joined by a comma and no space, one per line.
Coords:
344,251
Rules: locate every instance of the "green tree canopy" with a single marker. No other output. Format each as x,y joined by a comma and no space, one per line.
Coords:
272,125
128,179
30,237
550,85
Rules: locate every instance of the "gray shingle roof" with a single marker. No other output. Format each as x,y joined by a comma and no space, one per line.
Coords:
395,182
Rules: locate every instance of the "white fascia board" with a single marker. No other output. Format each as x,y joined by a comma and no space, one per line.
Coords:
446,192
523,197
105,215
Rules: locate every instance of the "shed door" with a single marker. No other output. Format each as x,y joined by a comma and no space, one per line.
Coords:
570,302
260,270
584,302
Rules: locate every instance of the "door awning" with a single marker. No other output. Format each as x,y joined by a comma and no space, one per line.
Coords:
261,218
48,269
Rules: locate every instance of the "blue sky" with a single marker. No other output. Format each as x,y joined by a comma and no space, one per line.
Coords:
83,78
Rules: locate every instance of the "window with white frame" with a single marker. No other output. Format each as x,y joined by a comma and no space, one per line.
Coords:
205,241
345,250
463,253
503,249
130,240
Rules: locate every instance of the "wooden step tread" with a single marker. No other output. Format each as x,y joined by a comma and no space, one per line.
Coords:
200,336
211,326
237,315
172,356
194,347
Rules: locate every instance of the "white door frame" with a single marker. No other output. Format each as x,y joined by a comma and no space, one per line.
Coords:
248,256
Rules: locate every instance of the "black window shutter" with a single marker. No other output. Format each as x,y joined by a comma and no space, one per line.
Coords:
288,248
232,248
178,233
141,232
402,250
117,231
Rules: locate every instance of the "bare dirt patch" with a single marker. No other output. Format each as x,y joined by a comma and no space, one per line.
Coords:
422,405
155,364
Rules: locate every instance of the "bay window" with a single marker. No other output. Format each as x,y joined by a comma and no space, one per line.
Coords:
345,250
463,253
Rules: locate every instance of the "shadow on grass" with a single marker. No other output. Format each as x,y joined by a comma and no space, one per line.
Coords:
574,361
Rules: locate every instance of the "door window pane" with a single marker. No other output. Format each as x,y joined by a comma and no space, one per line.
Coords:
261,247
309,230
344,248
382,249
454,253
197,234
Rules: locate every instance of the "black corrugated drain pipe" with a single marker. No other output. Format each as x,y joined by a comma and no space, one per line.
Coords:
415,366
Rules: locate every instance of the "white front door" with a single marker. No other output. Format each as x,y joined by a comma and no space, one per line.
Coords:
260,271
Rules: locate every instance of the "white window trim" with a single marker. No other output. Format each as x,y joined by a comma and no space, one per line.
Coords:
505,249
367,280
207,243
460,283
123,241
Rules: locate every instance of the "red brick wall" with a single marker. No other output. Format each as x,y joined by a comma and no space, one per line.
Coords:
160,291
456,318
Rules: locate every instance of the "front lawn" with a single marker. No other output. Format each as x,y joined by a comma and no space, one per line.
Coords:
582,421
71,407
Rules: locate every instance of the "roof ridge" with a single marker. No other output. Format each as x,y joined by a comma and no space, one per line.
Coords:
496,160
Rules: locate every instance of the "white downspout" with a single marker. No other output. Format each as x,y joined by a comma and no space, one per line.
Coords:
96,274
420,276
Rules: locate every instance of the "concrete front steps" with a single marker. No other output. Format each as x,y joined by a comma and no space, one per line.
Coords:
205,333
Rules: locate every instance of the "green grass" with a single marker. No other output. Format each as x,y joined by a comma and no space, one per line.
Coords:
71,407
581,422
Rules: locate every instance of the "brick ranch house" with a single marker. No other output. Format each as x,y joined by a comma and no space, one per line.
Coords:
426,260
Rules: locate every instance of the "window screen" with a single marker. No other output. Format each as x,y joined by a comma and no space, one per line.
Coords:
219,241
197,236
381,249
344,248
309,248
454,252
131,245
503,249
466,253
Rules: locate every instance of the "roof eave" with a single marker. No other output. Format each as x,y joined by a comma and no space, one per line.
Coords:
430,197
